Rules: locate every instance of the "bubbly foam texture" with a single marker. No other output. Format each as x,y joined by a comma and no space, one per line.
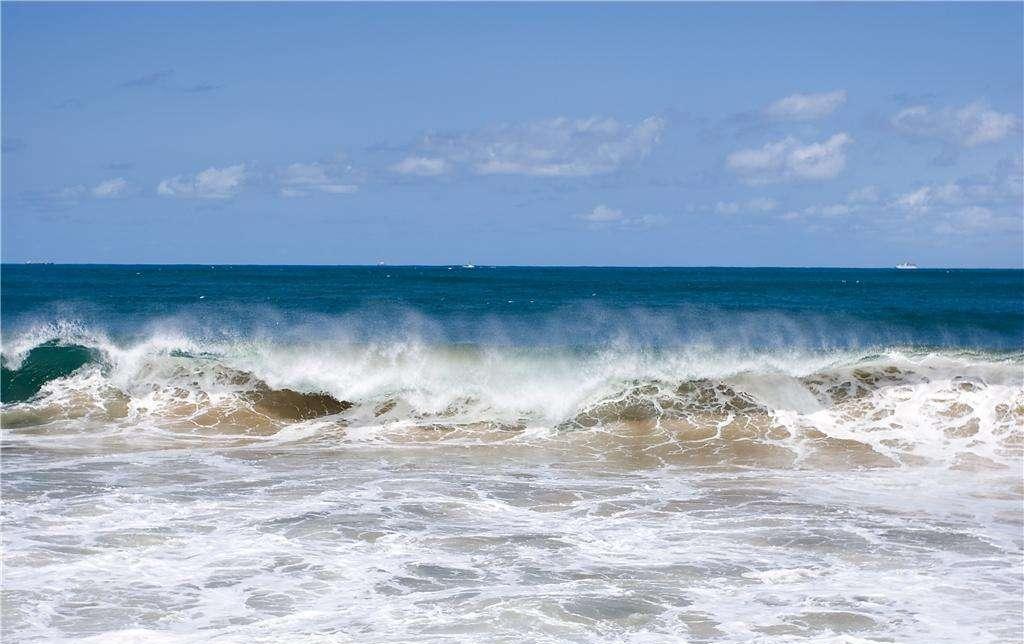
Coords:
181,490
469,543
903,406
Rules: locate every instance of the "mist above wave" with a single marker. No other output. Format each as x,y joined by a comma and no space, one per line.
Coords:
894,404
510,319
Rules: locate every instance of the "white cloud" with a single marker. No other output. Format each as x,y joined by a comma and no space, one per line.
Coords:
975,219
824,211
603,216
728,207
70,193
925,198
863,200
929,198
867,194
806,107
212,183
968,126
303,179
111,189
54,199
71,196
647,221
937,198
756,205
836,210
558,147
1000,188
789,159
981,204
762,204
915,201
422,166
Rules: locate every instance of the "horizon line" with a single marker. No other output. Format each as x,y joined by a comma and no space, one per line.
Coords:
451,265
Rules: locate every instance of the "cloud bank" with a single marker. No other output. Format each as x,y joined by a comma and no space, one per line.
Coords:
558,147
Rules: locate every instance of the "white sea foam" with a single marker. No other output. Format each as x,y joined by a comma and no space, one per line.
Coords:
465,543
901,403
512,494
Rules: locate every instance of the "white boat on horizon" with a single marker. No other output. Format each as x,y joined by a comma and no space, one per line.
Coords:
906,266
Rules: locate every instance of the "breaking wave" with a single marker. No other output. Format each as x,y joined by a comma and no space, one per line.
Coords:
883,407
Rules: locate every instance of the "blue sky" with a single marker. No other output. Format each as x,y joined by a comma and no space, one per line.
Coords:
608,134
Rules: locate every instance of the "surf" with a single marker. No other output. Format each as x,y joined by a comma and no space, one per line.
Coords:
885,406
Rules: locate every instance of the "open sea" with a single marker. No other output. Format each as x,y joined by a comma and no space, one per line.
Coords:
499,454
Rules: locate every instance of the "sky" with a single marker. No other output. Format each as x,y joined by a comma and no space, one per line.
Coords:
550,134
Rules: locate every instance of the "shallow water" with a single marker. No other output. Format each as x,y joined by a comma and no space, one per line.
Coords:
368,540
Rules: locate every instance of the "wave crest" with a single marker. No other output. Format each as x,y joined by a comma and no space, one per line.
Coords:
892,406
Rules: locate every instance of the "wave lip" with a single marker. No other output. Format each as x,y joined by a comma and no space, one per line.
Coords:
40,365
897,405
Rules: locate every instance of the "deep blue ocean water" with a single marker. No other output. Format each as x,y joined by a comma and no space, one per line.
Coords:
764,307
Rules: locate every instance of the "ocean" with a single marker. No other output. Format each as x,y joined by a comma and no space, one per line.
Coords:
509,454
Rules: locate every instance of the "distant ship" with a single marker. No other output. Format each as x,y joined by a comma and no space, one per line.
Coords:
468,266
906,266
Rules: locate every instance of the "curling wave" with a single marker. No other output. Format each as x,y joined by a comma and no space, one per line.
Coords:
883,407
